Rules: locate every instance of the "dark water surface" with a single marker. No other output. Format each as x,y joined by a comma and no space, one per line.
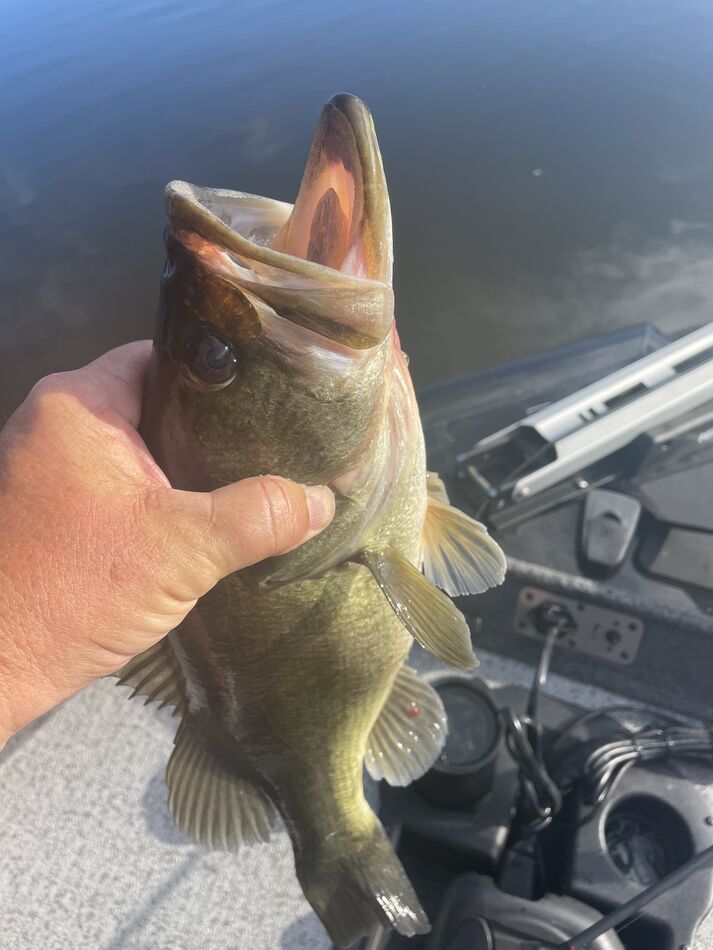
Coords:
550,164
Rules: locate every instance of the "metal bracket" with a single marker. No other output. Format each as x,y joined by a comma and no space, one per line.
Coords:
552,444
597,631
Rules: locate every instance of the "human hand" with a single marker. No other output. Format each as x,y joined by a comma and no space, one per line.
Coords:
99,556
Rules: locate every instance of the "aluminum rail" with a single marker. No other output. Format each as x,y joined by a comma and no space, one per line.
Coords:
605,416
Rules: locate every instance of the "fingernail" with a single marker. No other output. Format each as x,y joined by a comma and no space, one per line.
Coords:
320,504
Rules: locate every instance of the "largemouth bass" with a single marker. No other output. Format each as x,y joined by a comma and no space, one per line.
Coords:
276,352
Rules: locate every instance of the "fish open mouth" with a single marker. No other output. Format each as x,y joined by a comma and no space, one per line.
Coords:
325,262
341,217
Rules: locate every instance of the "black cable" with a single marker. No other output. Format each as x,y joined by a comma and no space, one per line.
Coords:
542,672
606,764
633,907
608,761
581,719
540,799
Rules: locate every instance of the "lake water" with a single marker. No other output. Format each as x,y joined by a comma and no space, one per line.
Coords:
550,164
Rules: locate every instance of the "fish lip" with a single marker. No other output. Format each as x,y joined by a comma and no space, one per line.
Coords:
357,114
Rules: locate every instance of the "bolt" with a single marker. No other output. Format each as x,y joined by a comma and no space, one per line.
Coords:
709,820
582,483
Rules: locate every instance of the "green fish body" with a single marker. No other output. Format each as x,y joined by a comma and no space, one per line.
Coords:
276,353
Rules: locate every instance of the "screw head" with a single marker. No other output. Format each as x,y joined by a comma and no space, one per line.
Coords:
709,820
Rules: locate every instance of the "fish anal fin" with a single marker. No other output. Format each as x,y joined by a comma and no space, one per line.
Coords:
210,804
410,732
427,613
458,554
156,674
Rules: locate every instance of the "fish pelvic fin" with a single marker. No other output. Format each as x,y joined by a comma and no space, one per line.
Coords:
355,883
458,554
210,804
156,675
429,616
410,732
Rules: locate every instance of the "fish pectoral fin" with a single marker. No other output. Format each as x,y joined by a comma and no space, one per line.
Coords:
210,804
436,487
458,554
410,732
156,674
428,615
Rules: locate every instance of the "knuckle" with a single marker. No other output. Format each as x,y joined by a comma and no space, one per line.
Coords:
34,427
49,387
50,396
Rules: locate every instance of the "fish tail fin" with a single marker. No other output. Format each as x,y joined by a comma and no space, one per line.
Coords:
361,887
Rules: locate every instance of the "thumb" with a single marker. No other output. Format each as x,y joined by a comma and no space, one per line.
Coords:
215,533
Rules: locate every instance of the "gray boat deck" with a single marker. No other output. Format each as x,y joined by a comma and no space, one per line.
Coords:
91,860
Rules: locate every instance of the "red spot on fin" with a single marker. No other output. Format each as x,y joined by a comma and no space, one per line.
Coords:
413,711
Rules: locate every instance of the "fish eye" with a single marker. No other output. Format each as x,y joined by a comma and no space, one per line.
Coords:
210,358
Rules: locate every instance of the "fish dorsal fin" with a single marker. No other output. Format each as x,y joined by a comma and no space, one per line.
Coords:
458,554
410,732
156,674
428,615
210,804
436,488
